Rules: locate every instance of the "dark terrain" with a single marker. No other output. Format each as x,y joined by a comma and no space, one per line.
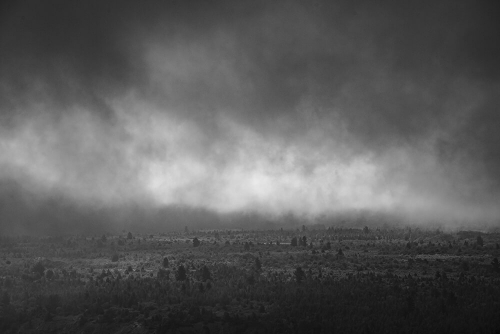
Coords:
227,281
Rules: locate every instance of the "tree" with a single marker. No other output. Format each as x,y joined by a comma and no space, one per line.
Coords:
340,252
196,242
205,274
494,264
247,246
180,275
103,238
129,236
165,262
366,230
304,241
294,242
115,258
479,241
258,264
299,275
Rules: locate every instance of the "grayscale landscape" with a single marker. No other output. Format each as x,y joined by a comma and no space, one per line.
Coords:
249,167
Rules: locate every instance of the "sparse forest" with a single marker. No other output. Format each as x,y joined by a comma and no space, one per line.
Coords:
276,281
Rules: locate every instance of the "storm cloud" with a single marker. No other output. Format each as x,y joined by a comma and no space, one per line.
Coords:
271,107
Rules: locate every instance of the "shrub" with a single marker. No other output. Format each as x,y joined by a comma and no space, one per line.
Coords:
196,242
115,258
162,273
479,241
465,266
299,275
494,264
53,302
38,268
303,241
251,280
180,275
49,274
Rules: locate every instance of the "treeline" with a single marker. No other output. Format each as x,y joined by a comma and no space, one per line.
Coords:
249,301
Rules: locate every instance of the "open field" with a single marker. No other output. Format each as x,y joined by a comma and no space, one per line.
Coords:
338,280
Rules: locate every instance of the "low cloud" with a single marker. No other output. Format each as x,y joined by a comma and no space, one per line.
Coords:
284,108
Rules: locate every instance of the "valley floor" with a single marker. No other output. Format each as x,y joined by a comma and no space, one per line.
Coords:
295,281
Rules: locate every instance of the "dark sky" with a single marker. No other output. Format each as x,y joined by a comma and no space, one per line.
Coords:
309,107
